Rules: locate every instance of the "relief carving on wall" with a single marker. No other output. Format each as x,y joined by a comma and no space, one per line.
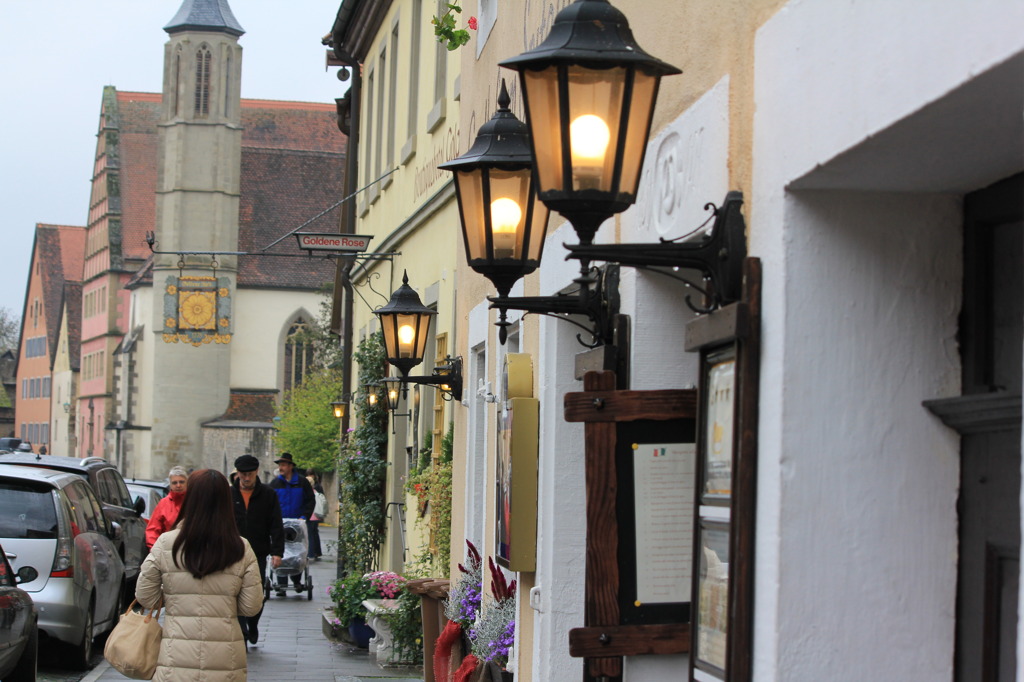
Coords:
669,184
197,310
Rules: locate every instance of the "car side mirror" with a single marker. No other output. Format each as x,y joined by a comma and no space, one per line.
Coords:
140,505
25,574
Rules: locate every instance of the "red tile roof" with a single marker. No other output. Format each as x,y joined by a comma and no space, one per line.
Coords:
60,249
292,167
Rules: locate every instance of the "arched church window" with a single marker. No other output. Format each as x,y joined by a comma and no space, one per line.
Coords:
298,354
203,58
227,85
175,82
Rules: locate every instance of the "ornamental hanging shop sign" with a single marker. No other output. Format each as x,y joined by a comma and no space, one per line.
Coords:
197,310
333,242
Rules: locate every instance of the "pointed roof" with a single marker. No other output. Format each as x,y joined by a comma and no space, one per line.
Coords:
205,15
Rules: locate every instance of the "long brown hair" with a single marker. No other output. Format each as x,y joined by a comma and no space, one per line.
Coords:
209,537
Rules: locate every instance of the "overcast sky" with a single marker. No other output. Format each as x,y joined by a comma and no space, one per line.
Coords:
55,58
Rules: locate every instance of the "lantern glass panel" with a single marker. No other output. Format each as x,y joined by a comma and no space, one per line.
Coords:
541,93
471,202
405,336
641,110
510,196
595,107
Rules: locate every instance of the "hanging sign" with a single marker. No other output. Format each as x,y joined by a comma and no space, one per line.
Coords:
332,241
516,471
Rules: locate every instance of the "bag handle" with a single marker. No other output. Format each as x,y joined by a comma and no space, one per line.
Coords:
155,611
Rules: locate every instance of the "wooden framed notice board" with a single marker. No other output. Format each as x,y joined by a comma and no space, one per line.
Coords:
640,473
728,341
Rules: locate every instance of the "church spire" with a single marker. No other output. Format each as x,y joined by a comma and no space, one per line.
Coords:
205,15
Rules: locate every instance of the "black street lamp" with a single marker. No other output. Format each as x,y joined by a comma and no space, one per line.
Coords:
503,224
405,322
338,407
589,91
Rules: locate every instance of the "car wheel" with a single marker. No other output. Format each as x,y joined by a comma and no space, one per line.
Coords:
83,652
25,671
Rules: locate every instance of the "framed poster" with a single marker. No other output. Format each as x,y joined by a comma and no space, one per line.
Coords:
656,470
718,425
711,611
663,485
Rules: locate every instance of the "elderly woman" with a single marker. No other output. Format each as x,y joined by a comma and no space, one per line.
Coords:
207,575
166,512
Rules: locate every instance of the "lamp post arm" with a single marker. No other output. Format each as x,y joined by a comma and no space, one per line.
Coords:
719,256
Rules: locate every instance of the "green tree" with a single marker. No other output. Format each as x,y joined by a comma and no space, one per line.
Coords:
10,329
308,429
362,468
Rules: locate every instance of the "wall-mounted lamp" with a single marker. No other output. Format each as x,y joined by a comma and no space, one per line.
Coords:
338,407
589,92
503,224
405,322
67,407
370,390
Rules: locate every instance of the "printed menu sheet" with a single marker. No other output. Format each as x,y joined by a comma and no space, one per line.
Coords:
663,490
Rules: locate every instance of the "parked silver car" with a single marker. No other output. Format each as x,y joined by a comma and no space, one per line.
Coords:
53,521
150,496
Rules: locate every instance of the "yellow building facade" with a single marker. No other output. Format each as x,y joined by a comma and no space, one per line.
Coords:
408,123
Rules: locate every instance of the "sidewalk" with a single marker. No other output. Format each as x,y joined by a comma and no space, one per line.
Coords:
292,645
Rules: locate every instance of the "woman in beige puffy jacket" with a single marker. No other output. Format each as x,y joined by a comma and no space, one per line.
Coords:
207,575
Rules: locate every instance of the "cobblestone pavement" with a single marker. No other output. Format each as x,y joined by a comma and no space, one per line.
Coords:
291,644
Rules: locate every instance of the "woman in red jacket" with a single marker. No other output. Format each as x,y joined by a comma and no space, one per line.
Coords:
166,512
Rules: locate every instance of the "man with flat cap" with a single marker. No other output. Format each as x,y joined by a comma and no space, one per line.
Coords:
297,502
258,515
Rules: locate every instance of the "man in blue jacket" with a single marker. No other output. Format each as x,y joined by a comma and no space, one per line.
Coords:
297,502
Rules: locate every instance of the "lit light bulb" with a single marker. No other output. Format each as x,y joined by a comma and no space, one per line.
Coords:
505,217
372,399
589,137
406,334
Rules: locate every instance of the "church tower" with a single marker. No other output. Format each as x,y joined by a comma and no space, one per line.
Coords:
197,212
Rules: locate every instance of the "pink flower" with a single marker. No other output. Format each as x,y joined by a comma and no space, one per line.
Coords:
472,23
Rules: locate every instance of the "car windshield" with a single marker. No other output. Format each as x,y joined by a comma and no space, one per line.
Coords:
26,511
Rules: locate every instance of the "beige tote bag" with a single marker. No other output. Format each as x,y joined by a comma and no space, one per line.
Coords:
134,644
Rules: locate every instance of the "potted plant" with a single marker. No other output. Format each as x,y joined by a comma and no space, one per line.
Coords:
348,595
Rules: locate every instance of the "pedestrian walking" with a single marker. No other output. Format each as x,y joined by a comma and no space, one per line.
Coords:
319,511
297,502
258,517
166,512
206,575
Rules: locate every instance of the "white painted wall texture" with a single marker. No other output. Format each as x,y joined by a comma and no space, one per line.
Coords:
856,534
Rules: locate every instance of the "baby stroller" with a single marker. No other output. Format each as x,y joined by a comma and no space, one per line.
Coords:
293,563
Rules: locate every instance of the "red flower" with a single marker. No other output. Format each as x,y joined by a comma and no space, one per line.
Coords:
472,23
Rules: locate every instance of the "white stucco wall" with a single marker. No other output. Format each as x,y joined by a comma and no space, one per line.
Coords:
685,167
857,486
261,321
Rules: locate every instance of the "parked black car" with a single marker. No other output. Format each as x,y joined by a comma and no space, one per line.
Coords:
118,507
9,444
19,634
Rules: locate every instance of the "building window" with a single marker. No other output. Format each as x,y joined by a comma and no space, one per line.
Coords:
381,90
392,89
298,354
24,388
46,387
175,82
370,79
202,98
414,72
227,83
